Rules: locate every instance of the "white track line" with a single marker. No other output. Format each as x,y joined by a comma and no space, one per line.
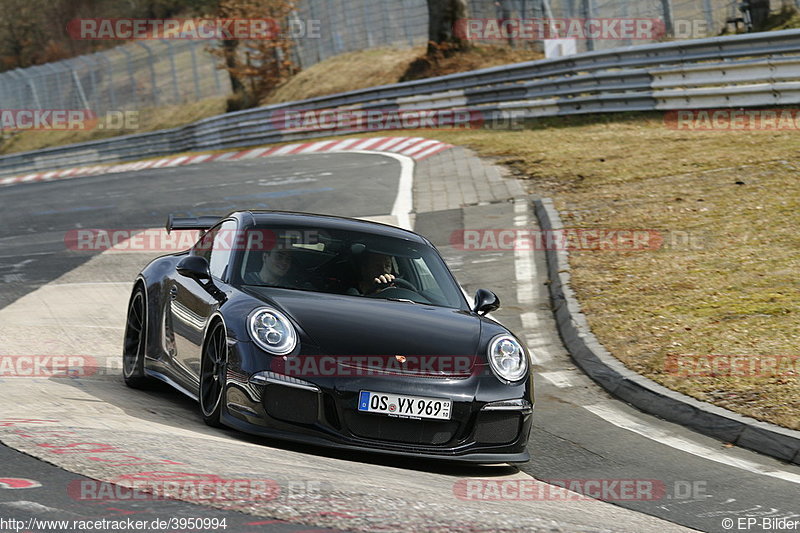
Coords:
623,420
404,201
561,379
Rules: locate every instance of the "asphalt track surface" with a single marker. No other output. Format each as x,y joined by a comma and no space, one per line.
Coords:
577,431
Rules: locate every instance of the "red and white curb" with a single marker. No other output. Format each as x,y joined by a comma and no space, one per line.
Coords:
417,148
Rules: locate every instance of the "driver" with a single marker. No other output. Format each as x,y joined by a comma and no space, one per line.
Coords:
375,274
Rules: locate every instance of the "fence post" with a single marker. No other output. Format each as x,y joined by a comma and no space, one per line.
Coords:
406,23
112,96
90,68
152,66
21,92
666,7
709,12
131,76
175,88
55,74
586,13
195,74
625,13
312,15
79,88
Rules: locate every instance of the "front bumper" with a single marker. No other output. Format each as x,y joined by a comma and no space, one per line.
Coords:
490,421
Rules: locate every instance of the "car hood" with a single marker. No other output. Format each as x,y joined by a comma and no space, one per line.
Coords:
356,326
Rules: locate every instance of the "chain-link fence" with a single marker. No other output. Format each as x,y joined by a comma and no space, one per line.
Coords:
137,75
350,25
156,73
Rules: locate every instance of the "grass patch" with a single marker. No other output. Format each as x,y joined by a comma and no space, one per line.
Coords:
730,289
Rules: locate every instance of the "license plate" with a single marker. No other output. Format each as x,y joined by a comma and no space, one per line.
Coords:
403,406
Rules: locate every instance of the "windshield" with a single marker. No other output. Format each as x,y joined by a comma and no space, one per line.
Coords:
346,262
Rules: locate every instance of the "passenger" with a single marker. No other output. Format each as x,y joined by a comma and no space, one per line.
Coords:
275,270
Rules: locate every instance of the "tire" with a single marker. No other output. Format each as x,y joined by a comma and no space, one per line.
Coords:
135,342
213,375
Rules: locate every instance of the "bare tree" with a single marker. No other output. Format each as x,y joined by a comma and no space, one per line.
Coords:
256,66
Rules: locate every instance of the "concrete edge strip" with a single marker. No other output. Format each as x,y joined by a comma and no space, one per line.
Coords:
639,391
417,148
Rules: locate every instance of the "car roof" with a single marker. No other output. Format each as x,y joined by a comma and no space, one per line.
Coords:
292,218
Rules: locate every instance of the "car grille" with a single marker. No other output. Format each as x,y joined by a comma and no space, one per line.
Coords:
290,404
386,428
497,427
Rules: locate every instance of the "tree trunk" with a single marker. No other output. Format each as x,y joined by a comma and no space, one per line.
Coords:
442,18
229,47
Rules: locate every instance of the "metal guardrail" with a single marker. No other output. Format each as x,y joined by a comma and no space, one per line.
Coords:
739,71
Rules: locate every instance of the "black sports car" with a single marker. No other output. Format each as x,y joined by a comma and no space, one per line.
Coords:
330,331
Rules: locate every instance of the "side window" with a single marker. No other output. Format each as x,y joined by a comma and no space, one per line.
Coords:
221,249
204,245
426,278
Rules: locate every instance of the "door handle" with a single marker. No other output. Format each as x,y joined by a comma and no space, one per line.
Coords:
173,292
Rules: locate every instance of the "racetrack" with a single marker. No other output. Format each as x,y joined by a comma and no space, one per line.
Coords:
61,302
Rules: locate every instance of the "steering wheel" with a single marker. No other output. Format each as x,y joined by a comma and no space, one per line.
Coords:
400,282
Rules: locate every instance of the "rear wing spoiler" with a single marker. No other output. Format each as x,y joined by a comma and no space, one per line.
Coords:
201,223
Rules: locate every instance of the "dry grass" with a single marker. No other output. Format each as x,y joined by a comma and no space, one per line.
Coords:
382,66
732,290
148,120
346,72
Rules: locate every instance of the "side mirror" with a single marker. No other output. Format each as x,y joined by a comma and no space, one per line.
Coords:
485,302
195,267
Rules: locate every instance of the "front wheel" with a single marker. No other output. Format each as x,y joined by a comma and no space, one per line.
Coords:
213,374
135,342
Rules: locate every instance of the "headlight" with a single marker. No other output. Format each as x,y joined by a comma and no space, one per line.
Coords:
272,331
507,358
